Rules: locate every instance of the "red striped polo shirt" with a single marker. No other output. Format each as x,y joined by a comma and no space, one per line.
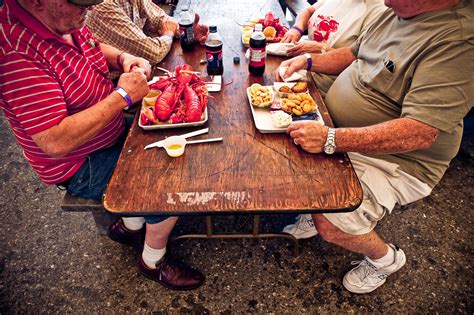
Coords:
44,79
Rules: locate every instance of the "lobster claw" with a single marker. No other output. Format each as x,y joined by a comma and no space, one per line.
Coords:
144,120
148,117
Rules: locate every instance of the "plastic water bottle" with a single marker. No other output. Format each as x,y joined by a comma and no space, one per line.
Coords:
186,31
215,65
258,44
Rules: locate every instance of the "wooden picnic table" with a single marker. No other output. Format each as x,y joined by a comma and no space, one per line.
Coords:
249,172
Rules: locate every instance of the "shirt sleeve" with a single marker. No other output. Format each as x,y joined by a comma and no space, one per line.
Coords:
125,34
154,16
35,97
442,89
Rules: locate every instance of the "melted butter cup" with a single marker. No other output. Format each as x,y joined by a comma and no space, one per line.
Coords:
175,145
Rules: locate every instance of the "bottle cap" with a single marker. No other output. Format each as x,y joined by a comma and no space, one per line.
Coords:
258,27
212,29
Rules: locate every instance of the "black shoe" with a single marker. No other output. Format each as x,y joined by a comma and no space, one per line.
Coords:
119,233
172,274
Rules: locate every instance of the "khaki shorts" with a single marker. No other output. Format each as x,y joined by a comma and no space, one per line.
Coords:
384,185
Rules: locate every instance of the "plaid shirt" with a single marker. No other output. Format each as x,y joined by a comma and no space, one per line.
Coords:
132,26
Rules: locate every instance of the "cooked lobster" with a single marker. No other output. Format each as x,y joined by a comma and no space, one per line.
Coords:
183,99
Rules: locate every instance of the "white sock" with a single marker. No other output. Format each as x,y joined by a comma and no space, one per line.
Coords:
386,260
133,223
151,256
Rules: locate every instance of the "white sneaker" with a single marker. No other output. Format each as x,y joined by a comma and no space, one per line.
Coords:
366,277
302,228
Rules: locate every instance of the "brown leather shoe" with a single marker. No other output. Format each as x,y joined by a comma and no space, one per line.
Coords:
172,274
119,233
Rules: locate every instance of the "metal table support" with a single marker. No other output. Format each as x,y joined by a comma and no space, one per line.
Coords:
255,234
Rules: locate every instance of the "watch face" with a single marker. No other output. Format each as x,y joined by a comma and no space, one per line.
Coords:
329,149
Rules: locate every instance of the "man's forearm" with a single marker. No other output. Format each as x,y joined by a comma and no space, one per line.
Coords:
111,54
77,129
303,18
333,62
394,136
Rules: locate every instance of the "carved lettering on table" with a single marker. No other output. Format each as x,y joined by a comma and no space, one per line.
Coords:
202,198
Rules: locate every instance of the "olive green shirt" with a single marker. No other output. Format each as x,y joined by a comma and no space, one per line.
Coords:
421,68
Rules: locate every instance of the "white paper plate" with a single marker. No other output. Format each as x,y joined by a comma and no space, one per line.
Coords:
262,117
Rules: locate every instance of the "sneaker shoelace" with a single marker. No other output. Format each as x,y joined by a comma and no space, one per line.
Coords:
365,270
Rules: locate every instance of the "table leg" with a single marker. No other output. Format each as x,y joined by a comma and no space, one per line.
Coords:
209,226
255,234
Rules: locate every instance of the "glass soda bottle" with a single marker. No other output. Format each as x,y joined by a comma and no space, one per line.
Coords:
215,65
258,44
186,30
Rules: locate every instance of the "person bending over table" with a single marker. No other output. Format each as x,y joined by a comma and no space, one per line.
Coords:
398,104
138,27
354,17
68,117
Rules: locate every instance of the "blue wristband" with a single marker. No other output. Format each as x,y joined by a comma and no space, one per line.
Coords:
310,61
299,30
125,96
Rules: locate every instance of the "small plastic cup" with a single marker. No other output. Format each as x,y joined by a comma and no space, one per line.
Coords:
150,98
174,145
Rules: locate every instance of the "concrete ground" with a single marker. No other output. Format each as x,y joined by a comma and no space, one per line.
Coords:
55,262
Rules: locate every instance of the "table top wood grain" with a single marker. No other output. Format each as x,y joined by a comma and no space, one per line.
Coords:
249,172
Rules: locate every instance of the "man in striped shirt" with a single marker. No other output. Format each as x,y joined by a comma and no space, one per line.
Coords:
67,115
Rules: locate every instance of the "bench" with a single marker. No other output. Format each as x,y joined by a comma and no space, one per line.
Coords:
103,220
101,217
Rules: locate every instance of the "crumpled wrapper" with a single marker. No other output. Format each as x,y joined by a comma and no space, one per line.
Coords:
279,49
296,76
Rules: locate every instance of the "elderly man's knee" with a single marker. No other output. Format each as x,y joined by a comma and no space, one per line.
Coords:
327,230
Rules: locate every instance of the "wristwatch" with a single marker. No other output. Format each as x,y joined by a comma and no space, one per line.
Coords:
330,145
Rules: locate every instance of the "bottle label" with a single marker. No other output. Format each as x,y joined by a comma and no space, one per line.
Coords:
257,57
214,58
187,33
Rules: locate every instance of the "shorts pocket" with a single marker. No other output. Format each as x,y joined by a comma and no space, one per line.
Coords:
378,188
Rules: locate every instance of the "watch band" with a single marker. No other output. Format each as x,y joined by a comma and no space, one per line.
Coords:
330,145
119,63
125,96
310,61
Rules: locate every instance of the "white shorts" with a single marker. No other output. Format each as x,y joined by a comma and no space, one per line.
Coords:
384,185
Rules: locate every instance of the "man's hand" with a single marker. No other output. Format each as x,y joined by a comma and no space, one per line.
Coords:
130,63
305,47
200,30
292,36
293,64
169,26
135,84
308,134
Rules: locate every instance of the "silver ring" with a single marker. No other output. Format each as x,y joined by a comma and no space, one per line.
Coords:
294,141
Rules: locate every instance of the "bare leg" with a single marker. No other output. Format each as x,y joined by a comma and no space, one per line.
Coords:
369,244
157,234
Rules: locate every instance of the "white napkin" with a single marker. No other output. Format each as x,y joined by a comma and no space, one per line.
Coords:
279,49
296,76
